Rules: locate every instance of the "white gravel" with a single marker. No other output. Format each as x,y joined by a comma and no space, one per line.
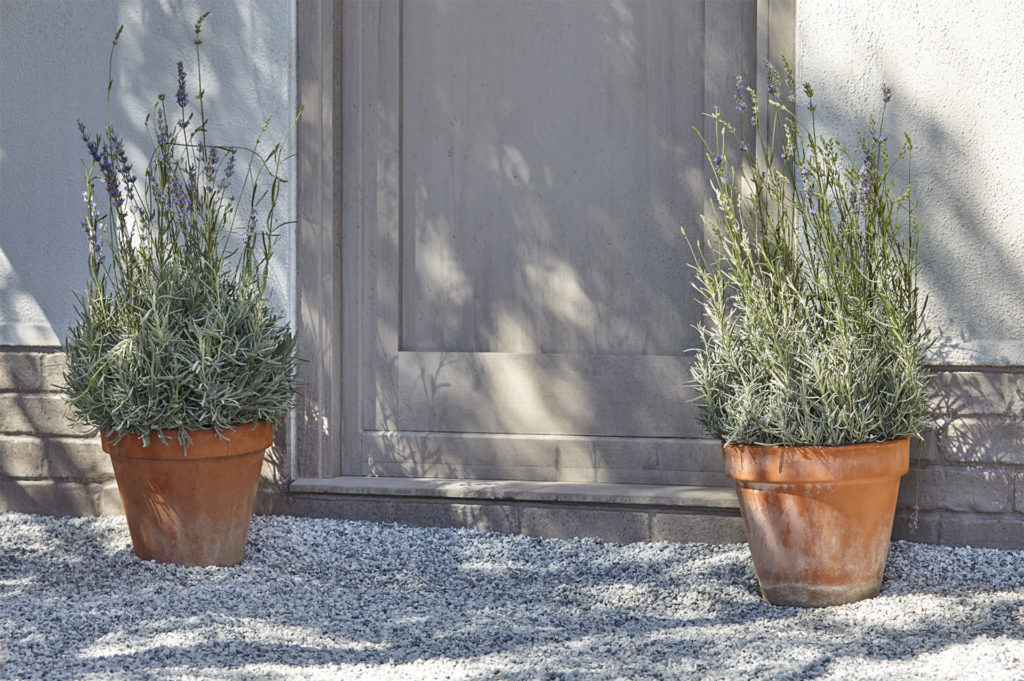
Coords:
327,599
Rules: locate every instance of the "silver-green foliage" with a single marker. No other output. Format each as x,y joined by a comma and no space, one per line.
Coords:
814,330
174,330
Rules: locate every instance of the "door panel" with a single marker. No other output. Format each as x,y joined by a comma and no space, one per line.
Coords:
544,457
541,394
545,153
521,172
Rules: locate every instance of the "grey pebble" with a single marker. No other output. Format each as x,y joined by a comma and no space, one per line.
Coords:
331,599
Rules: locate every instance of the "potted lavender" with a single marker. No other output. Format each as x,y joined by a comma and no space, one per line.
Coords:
177,359
811,371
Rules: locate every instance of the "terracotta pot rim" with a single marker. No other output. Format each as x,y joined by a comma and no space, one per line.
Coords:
246,438
814,447
785,464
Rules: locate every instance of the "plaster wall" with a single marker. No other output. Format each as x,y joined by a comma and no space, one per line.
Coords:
53,71
954,66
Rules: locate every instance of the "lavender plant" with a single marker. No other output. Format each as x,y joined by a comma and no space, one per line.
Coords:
814,331
174,330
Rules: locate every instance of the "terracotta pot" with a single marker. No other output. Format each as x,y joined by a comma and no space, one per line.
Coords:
190,508
818,519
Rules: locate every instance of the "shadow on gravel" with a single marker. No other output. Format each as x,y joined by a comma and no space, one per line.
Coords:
349,598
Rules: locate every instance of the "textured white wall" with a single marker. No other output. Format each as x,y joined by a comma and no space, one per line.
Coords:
955,67
53,70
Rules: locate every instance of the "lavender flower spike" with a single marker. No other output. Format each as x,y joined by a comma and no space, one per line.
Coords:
250,227
181,96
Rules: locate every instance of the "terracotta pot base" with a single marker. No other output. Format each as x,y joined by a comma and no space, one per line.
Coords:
818,519
190,508
804,596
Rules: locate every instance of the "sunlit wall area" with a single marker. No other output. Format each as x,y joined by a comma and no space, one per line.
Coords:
954,70
53,72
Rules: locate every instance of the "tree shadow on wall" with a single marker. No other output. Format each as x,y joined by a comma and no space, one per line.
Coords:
534,232
960,466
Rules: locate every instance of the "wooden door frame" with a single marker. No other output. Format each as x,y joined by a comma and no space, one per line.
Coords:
328,331
318,278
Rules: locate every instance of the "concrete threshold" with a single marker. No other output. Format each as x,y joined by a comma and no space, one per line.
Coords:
614,512
600,493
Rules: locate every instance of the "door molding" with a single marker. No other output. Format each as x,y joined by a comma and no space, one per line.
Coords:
318,269
332,336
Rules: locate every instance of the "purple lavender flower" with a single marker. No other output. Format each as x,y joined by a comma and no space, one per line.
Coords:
718,161
210,166
229,169
92,225
250,226
805,174
182,97
809,91
93,145
111,159
161,155
773,82
121,164
741,103
886,93
865,186
175,200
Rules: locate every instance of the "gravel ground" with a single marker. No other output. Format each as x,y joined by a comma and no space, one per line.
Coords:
327,599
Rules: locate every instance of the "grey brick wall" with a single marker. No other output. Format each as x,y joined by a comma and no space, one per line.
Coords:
969,483
47,464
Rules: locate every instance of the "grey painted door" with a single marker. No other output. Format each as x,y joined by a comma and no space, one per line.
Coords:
514,176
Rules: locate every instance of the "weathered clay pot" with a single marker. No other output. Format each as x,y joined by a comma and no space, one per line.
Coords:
190,508
818,519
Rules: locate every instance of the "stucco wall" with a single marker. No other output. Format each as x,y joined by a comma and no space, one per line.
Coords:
53,70
954,67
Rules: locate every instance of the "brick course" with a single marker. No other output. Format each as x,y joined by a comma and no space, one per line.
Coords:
48,465
971,472
969,484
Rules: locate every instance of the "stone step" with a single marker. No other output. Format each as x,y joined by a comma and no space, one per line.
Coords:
610,511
